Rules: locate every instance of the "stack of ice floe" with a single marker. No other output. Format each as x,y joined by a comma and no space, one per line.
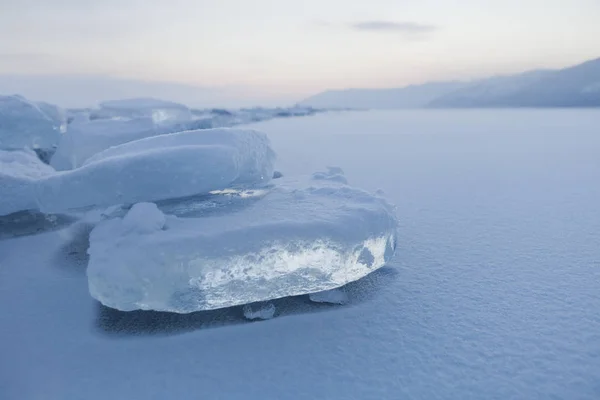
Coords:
194,220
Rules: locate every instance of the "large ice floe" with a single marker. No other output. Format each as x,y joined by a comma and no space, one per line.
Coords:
156,168
295,237
194,220
161,167
86,137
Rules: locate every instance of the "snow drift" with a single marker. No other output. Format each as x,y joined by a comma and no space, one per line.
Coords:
301,236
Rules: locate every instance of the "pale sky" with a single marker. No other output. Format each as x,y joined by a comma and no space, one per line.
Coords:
272,48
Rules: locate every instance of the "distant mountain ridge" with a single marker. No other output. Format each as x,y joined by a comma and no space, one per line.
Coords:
577,86
413,96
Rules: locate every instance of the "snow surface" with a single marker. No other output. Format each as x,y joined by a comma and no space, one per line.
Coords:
493,293
19,173
26,124
161,167
302,236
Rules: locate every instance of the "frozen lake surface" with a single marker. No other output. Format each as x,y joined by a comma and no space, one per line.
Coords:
494,291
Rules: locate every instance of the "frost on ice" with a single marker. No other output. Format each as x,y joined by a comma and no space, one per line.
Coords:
161,167
301,236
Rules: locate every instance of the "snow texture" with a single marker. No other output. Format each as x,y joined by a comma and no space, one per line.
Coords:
301,237
333,296
161,167
19,173
26,124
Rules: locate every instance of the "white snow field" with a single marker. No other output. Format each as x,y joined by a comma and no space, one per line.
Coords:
302,236
494,292
161,167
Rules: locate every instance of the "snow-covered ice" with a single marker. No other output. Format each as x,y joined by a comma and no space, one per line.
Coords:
302,236
161,167
27,124
20,170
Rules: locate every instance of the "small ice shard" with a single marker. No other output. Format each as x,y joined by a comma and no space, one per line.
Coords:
302,236
333,296
277,175
161,167
259,311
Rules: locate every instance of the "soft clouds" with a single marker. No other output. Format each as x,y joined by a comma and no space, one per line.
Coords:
389,26
271,48
408,30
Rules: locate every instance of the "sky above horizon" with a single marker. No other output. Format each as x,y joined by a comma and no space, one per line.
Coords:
284,49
